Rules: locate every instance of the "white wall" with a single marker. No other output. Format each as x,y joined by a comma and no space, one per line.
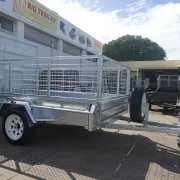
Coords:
84,52
43,51
19,30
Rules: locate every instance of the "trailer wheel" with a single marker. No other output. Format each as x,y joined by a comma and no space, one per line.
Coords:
165,108
178,141
16,127
137,108
150,106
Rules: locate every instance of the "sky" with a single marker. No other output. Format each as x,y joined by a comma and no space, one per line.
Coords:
107,20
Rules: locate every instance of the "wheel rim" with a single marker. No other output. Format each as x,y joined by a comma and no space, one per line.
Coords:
14,127
143,109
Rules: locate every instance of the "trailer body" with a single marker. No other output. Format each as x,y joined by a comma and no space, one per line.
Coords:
83,91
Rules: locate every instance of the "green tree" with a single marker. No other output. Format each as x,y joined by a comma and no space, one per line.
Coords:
135,48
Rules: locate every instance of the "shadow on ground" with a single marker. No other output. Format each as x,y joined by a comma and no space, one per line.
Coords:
169,112
99,155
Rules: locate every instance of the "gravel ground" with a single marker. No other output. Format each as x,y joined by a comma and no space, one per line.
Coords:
64,152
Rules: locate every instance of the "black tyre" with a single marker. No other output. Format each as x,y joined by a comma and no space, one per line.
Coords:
137,99
150,106
165,108
16,128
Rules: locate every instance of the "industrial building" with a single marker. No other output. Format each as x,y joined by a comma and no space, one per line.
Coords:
28,28
152,69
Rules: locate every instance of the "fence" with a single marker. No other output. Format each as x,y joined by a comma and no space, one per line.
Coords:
13,48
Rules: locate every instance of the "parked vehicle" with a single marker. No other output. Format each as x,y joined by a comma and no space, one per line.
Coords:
167,93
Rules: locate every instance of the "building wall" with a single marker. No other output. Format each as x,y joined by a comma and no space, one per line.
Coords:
36,37
61,48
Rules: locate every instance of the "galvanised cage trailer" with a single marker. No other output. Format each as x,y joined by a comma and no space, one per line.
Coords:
87,91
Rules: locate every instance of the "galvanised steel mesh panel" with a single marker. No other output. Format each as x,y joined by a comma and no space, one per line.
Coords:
115,79
25,76
110,78
168,81
4,77
174,81
123,81
163,81
66,77
61,77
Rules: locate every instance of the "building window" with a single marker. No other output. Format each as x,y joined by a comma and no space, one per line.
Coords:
6,24
88,53
71,49
39,37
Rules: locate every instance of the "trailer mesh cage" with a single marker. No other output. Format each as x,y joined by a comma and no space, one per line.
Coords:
168,82
81,77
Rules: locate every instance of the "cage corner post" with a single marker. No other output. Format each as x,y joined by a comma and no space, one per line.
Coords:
99,86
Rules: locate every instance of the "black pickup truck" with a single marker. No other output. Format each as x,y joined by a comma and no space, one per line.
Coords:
167,93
